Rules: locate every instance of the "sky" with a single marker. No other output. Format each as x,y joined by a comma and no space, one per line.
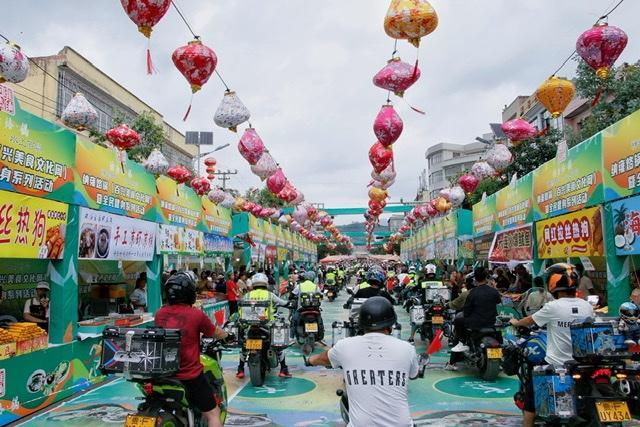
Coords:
304,68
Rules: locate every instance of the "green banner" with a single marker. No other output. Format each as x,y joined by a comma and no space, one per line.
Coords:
484,216
621,157
179,204
514,203
216,218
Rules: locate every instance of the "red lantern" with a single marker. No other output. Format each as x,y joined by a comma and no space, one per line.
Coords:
518,130
373,205
468,182
210,161
325,221
200,185
397,76
600,46
179,174
211,177
251,146
256,210
196,62
387,126
276,182
123,137
380,157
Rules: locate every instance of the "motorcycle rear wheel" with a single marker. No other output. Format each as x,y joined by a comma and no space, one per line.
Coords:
257,373
490,369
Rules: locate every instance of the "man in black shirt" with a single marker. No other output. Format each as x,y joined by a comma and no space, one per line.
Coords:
480,309
373,287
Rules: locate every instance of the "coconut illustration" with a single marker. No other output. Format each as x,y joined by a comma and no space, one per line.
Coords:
629,236
620,241
620,217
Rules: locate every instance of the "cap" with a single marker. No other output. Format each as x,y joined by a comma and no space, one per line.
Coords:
42,285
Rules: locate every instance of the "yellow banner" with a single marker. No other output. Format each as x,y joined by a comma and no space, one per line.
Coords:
31,227
572,235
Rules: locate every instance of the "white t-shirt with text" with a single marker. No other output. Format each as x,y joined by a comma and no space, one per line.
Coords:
376,369
557,317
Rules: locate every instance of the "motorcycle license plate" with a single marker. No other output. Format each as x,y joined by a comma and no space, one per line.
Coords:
437,320
494,353
253,345
330,294
613,411
311,327
139,421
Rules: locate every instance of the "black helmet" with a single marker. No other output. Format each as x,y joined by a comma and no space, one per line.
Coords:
181,288
377,313
562,277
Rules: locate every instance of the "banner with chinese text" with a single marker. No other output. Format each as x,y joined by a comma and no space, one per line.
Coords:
179,204
514,204
484,216
114,237
482,245
31,227
621,157
515,244
217,245
179,240
217,219
572,235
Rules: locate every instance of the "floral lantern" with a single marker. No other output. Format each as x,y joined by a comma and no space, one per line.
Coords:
231,112
380,157
518,130
387,175
251,146
299,197
14,65
179,174
277,181
468,182
265,166
196,62
445,193
200,185
600,46
482,170
410,19
377,194
300,214
555,94
325,221
79,113
216,195
431,210
499,157
123,137
228,201
397,76
442,205
456,196
387,126
156,164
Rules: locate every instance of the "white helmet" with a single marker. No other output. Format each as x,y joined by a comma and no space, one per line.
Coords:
430,269
259,279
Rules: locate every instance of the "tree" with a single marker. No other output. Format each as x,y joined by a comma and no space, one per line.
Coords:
340,249
263,197
530,154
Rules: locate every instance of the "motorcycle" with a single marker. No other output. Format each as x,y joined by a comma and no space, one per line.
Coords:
447,326
164,400
485,350
331,290
259,338
398,293
310,328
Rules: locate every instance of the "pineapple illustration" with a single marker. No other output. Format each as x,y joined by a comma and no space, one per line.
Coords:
620,216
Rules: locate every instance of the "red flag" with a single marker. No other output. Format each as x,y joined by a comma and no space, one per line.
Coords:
436,343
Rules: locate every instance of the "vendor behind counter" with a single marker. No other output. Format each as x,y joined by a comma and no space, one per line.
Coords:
36,309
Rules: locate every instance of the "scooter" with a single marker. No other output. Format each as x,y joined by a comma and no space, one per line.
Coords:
485,350
310,328
164,400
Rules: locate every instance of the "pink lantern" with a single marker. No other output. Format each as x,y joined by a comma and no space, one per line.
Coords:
251,146
387,126
288,193
468,182
600,46
216,195
326,221
248,206
422,211
256,210
445,193
380,157
397,76
276,182
200,185
482,170
300,214
265,166
518,130
431,210
14,65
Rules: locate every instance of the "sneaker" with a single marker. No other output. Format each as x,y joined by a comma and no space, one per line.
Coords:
240,374
460,348
450,367
284,373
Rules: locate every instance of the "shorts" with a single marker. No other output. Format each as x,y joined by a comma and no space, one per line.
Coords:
200,393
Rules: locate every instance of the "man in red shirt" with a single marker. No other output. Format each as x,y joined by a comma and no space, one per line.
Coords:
232,295
192,322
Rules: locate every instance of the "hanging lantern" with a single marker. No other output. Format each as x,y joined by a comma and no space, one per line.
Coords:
518,130
14,65
210,161
123,137
380,157
377,194
468,182
200,185
146,13
299,197
555,94
156,164
482,170
600,46
387,126
179,174
300,214
499,157
231,112
387,175
265,166
442,205
216,195
79,113
456,196
431,210
397,76
251,146
228,201
445,193
196,62
410,19
277,181
325,221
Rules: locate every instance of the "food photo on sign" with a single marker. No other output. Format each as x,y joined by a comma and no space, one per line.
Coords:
572,235
512,245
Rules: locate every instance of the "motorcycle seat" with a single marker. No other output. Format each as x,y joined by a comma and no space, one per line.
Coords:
481,331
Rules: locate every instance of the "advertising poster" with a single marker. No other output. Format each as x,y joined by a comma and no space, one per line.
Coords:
36,156
465,246
626,226
269,233
482,245
484,216
572,235
31,227
570,185
621,157
215,245
447,249
514,204
179,240
515,244
438,229
105,183
217,219
114,237
256,230
450,225
179,204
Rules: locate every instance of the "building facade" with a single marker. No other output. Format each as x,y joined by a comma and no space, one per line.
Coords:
46,94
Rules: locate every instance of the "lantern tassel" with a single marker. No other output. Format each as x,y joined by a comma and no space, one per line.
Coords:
184,119
416,109
150,68
596,100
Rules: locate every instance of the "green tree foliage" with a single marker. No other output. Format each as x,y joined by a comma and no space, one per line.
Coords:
340,249
263,197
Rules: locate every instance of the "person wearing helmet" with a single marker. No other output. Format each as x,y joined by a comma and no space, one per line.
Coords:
374,286
260,292
376,368
192,322
629,322
308,286
557,316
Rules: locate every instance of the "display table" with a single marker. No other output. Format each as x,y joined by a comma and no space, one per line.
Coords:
95,331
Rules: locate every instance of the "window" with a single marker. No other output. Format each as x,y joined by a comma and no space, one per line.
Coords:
456,155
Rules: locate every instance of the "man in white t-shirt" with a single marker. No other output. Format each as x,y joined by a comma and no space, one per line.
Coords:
376,367
557,316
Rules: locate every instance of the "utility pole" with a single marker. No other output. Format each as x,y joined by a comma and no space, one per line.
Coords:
225,176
